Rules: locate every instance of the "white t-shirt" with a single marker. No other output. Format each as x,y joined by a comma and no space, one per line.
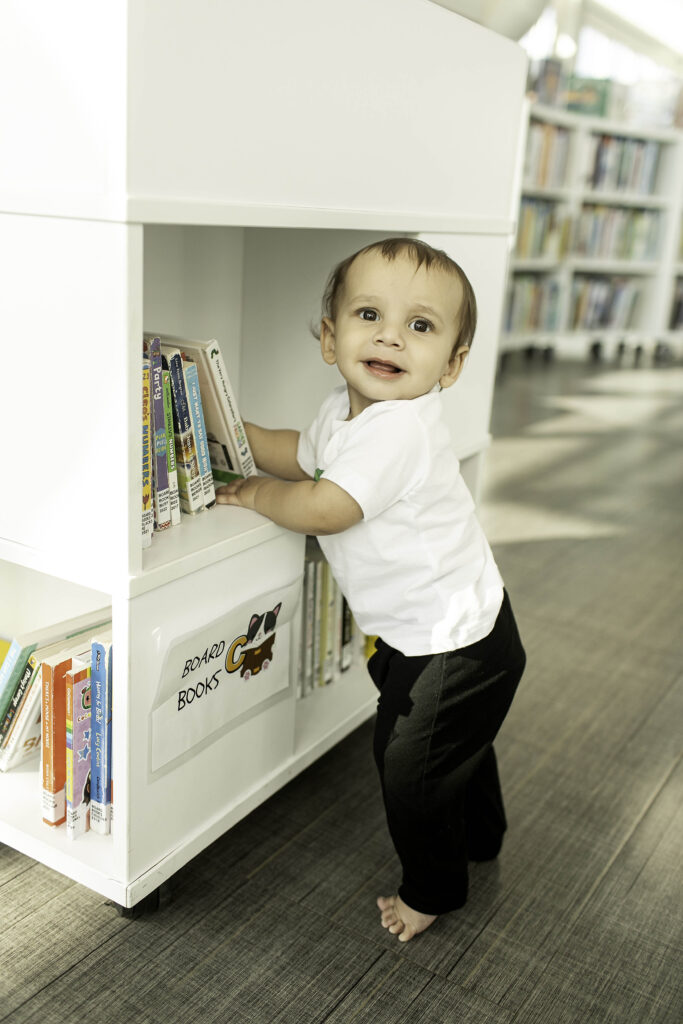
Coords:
417,570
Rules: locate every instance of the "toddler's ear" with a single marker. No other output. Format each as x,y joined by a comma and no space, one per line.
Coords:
327,341
454,368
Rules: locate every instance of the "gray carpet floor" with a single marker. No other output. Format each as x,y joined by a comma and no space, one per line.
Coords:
580,918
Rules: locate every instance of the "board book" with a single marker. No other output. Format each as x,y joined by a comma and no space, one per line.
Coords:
187,466
229,448
159,441
101,683
78,738
24,644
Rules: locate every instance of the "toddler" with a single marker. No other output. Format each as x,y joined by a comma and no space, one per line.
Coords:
376,479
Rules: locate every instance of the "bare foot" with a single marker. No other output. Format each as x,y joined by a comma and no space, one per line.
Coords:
402,920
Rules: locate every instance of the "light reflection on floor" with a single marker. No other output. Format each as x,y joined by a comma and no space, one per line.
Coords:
566,429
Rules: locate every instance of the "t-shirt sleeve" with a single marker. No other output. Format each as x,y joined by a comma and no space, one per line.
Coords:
381,460
305,452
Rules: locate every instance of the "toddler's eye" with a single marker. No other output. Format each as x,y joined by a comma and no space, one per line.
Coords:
420,325
368,314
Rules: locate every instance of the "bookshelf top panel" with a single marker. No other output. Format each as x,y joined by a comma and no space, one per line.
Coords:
265,106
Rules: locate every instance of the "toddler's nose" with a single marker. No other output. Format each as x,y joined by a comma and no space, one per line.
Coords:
389,334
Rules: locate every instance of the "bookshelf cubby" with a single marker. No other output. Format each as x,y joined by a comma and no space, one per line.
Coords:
209,196
595,257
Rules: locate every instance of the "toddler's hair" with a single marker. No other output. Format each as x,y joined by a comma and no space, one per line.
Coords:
420,252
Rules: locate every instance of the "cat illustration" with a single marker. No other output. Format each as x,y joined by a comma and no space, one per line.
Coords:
258,651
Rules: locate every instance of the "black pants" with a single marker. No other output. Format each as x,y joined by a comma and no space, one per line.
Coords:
437,716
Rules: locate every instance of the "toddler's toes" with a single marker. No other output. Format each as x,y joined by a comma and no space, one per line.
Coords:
388,908
407,933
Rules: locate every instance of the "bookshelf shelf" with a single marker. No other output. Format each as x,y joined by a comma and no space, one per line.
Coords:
596,265
91,860
596,197
192,206
615,189
211,536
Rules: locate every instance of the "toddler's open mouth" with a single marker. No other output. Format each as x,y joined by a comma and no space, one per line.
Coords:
381,369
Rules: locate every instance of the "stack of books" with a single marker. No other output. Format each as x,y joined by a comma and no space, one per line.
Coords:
622,164
56,701
612,232
603,302
193,437
329,636
547,152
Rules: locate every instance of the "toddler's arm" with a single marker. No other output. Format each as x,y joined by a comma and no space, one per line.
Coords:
274,451
305,506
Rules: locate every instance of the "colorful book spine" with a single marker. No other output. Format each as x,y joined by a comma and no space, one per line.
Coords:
147,510
25,735
17,698
174,497
197,415
12,672
189,479
162,500
54,738
101,682
78,733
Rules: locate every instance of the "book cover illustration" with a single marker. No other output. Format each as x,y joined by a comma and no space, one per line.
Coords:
78,735
260,638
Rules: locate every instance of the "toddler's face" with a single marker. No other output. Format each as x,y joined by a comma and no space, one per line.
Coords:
394,331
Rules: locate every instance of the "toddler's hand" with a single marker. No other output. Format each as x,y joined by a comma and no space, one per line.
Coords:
239,492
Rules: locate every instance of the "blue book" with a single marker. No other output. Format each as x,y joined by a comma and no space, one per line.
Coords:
194,400
101,694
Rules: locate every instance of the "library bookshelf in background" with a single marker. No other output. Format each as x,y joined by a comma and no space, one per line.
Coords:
597,265
211,204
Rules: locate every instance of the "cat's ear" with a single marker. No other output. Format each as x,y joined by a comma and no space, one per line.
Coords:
254,624
276,609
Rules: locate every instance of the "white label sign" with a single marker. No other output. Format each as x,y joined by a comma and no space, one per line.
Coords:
220,672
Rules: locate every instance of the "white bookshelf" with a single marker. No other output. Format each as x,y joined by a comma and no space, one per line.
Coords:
557,187
196,169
